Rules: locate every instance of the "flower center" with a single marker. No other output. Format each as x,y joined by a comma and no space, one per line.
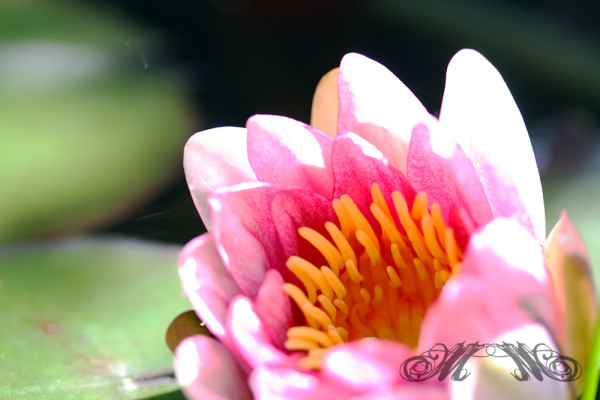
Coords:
373,286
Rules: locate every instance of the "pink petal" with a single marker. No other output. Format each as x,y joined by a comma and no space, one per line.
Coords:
439,167
480,112
406,391
293,209
213,159
367,364
374,104
289,154
273,308
357,164
324,111
207,283
245,233
503,286
206,371
251,335
286,382
256,229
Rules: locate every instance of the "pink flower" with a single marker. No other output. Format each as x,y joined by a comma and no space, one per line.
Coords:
339,250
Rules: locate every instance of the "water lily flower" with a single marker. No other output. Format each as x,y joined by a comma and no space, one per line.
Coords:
336,251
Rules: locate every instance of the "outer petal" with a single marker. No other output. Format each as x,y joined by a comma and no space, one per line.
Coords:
439,167
480,112
368,364
409,392
245,233
503,285
288,153
207,283
570,268
256,229
274,308
251,335
324,112
213,159
206,371
283,382
374,104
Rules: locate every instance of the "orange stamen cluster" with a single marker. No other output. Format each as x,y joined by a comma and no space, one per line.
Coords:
373,285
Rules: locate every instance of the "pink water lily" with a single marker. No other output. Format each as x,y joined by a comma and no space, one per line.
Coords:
337,251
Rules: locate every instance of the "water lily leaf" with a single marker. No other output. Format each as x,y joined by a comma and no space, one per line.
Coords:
90,127
86,319
63,20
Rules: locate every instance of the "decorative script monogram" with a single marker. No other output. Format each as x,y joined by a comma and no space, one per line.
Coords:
540,361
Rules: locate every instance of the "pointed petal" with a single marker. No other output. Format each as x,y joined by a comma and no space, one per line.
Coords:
480,112
207,371
570,268
288,153
251,335
273,307
213,159
324,112
503,285
357,164
207,283
439,167
245,233
374,104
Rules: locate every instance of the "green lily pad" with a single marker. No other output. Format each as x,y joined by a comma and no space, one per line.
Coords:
86,319
64,20
90,126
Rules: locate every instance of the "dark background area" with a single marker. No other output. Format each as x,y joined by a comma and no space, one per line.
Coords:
241,57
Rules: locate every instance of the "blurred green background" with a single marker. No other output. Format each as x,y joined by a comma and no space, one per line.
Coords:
97,99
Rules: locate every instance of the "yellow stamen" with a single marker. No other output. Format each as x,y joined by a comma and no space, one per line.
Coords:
328,306
396,282
419,208
438,222
369,246
353,272
300,344
378,281
335,283
358,218
419,245
431,241
294,263
334,335
331,254
365,295
379,200
343,307
341,242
